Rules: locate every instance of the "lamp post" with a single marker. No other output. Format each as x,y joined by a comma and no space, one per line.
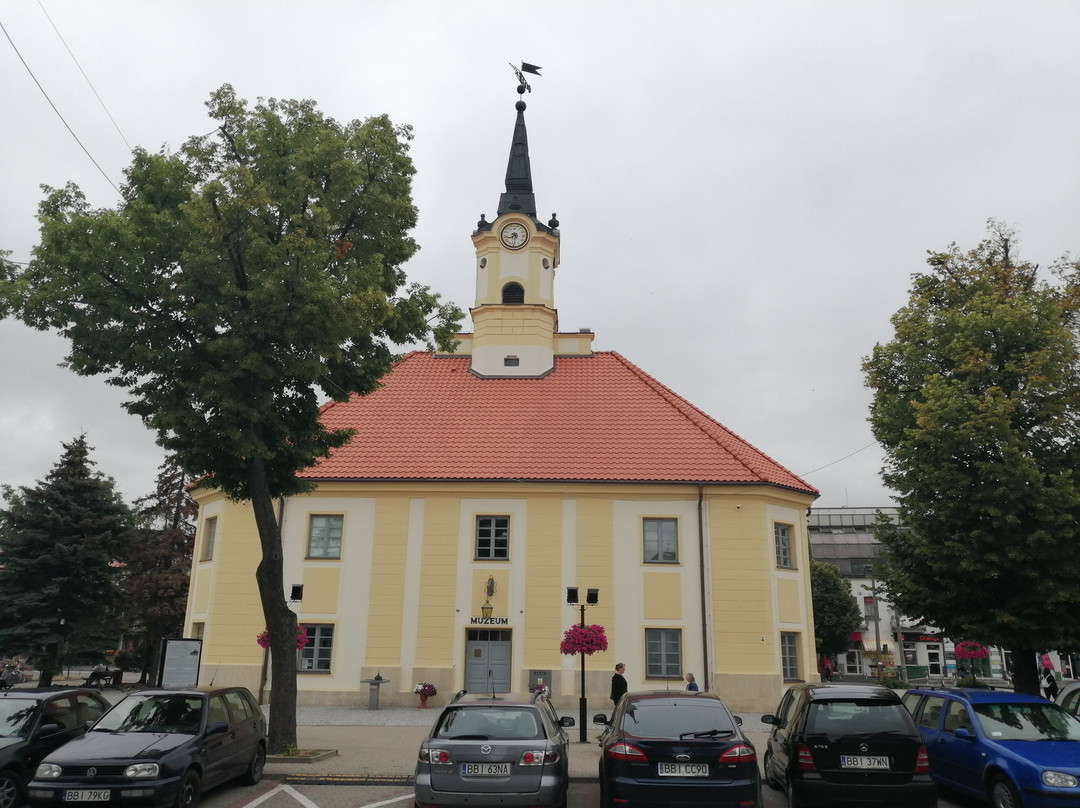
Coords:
592,597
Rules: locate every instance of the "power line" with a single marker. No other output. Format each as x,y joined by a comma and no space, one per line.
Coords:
845,457
61,117
91,85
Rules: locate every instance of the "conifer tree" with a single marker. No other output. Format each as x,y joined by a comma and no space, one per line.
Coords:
61,542
159,565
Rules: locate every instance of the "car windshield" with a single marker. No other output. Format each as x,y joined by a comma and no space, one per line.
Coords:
172,713
845,717
676,720
490,723
1027,722
15,716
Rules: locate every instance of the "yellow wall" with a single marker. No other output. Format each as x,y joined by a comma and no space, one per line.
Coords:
403,594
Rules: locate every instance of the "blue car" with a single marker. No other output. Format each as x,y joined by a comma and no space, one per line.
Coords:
1009,749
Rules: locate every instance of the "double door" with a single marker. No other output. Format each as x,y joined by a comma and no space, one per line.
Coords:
487,660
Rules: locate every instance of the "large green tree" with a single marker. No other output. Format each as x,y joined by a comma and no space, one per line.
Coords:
976,401
836,611
158,567
235,280
60,542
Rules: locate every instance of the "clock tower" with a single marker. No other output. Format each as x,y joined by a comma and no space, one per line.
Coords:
515,324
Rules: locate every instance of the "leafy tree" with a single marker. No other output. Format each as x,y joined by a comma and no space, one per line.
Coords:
60,542
977,404
235,280
836,611
158,566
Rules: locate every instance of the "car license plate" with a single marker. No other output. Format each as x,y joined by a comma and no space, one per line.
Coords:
682,769
485,769
87,795
864,762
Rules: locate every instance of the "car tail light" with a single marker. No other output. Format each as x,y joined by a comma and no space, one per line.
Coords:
922,762
805,760
435,756
742,753
625,751
539,757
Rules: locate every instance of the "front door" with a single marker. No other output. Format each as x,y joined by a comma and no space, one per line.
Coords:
487,660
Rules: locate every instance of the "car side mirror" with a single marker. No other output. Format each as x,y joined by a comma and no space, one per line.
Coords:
738,720
49,728
218,727
769,719
566,721
600,718
964,734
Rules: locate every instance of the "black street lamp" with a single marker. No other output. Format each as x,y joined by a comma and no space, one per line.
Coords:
592,597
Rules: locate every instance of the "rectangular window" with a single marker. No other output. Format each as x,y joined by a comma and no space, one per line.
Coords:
324,537
209,536
789,655
315,656
782,535
663,653
493,537
661,541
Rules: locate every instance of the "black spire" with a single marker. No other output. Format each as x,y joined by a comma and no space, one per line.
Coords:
519,189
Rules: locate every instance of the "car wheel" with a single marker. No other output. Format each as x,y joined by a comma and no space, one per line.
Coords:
770,778
1003,794
11,788
255,768
190,790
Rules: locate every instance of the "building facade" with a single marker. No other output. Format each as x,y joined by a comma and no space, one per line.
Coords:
480,486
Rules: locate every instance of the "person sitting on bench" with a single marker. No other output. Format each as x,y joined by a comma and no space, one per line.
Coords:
98,676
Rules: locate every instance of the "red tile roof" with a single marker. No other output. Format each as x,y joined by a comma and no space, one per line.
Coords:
594,418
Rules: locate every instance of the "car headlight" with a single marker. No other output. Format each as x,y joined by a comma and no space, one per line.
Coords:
47,771
141,770
1059,779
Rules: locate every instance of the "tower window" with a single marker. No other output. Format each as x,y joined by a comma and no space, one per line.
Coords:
513,293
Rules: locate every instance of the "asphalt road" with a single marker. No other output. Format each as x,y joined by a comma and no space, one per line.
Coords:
276,794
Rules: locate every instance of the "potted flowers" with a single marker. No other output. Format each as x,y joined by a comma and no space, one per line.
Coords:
583,640
423,690
263,638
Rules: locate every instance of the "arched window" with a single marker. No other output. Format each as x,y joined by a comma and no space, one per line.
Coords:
513,293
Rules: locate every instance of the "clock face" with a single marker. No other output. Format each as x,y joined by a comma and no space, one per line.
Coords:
514,235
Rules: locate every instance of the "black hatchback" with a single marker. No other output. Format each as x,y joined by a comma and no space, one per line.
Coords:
835,745
158,748
676,749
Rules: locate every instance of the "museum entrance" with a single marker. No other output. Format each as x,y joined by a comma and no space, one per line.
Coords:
487,660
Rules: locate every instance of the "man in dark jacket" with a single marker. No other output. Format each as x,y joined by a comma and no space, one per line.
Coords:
618,684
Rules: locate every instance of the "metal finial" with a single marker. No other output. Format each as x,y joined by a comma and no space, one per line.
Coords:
520,72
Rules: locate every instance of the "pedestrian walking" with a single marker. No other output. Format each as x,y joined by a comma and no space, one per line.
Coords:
618,684
827,668
690,683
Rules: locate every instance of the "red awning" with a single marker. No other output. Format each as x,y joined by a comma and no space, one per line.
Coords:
856,636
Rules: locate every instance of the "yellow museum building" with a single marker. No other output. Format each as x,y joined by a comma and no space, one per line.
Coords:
440,543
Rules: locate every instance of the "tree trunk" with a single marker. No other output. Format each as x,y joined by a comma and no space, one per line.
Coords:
280,620
1025,671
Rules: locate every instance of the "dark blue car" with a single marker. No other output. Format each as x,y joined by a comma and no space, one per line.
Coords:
158,748
1010,749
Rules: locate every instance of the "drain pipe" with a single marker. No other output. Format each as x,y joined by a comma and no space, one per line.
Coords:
703,578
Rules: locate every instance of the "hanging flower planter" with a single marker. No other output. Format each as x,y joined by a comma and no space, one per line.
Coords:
263,639
583,640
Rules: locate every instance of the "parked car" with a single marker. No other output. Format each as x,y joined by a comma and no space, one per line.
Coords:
833,745
1069,697
1009,749
676,748
495,750
34,722
158,748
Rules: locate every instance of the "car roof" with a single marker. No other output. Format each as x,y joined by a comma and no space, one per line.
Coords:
41,692
660,695
186,691
979,695
820,691
500,699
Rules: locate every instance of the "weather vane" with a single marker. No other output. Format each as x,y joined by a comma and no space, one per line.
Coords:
521,71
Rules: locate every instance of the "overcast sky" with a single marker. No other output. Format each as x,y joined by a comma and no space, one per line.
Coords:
744,188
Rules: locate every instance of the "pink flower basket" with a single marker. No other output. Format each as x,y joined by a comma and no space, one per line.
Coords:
583,640
263,639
